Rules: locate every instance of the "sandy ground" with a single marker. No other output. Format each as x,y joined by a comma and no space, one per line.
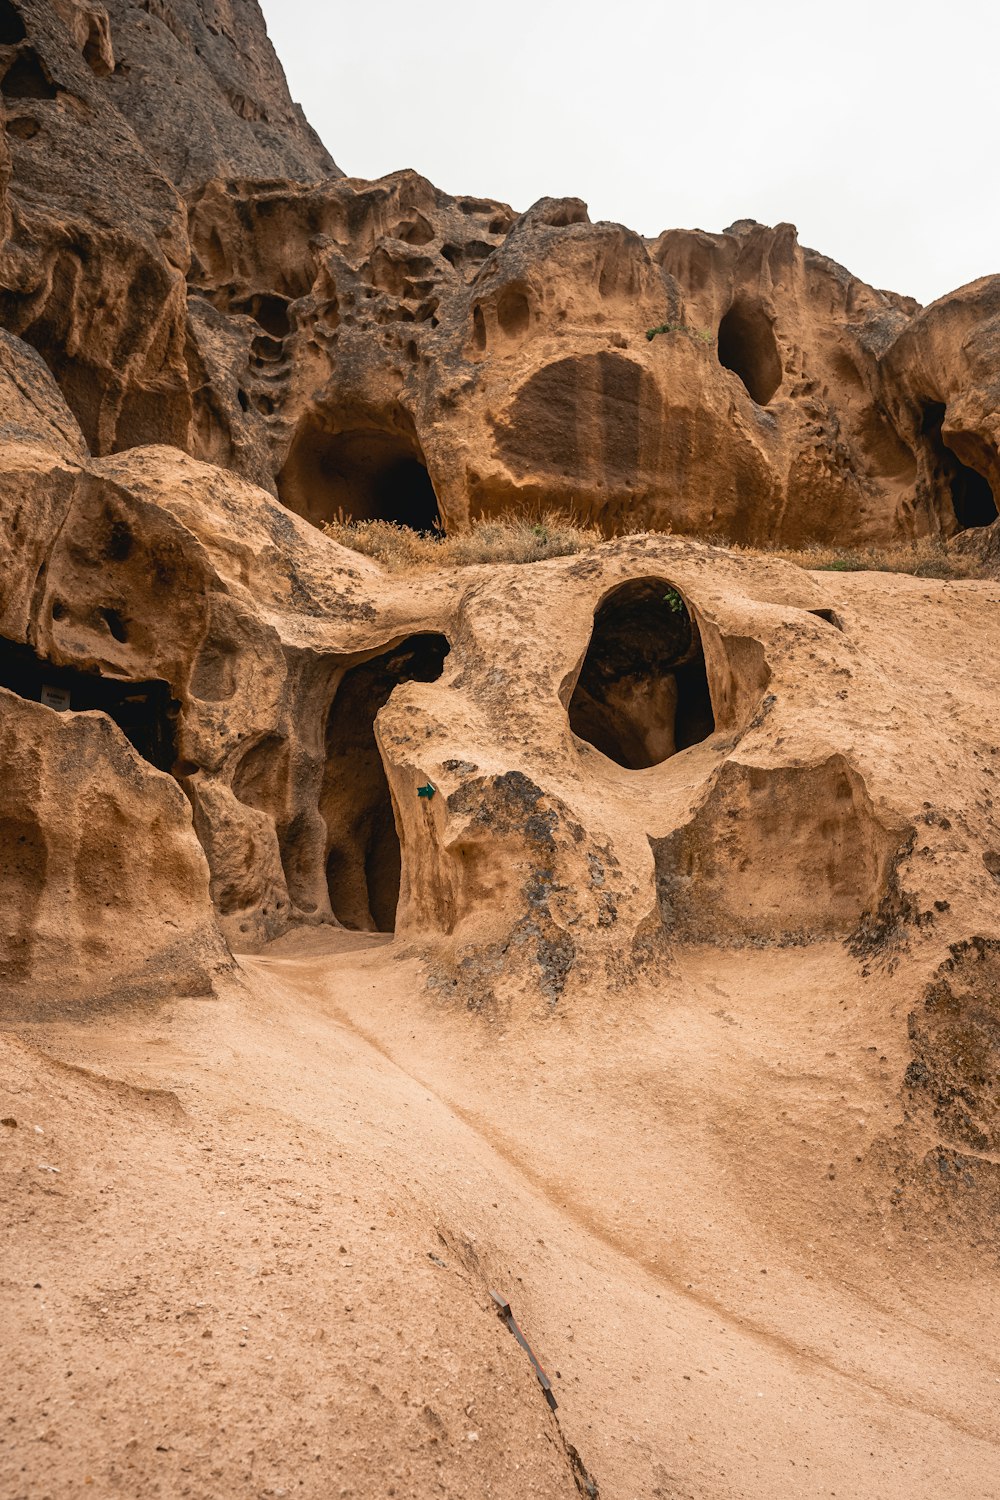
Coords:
248,1244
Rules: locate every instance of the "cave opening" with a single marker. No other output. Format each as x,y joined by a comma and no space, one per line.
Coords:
747,346
643,694
365,474
363,858
11,25
972,495
145,712
27,78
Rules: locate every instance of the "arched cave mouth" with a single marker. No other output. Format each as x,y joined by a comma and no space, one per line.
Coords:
747,346
972,497
363,858
365,474
11,25
145,712
643,694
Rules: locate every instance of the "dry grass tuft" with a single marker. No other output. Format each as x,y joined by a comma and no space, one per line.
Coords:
508,539
535,537
927,558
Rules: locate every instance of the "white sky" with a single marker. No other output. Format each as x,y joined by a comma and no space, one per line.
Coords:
874,125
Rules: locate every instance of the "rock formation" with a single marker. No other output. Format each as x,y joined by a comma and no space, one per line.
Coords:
551,782
236,341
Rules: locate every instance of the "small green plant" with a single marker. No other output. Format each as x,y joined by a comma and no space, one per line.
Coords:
703,335
674,602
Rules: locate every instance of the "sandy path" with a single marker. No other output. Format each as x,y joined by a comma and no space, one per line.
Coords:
600,1173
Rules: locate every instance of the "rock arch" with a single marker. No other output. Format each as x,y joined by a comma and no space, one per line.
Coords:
363,856
643,694
360,473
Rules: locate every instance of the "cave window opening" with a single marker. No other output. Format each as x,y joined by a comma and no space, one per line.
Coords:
145,712
26,78
269,310
643,694
363,858
747,346
972,497
361,475
11,26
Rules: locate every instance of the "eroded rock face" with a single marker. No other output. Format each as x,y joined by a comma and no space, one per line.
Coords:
194,269
85,911
213,343
109,115
536,772
397,341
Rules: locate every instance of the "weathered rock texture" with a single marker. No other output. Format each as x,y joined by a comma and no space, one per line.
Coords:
730,384
650,743
576,791
109,115
192,266
213,343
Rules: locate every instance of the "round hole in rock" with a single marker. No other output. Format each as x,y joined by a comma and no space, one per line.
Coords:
23,128
269,310
747,346
363,862
513,312
642,694
362,475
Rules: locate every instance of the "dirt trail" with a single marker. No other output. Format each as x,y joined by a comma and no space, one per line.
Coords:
600,1172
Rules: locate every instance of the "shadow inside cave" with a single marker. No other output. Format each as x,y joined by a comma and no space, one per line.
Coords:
145,712
363,860
365,474
642,694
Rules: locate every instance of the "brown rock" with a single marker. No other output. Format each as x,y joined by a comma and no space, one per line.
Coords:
88,914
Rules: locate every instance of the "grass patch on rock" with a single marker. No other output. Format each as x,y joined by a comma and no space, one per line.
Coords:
504,539
928,557
536,537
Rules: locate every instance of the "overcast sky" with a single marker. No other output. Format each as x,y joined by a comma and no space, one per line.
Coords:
873,125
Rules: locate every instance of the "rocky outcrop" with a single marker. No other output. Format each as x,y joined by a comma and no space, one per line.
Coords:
944,371
104,887
537,773
109,116
425,359
193,268
215,343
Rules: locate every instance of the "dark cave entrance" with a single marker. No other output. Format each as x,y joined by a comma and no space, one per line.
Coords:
11,26
643,694
27,78
363,861
365,474
972,497
747,346
144,711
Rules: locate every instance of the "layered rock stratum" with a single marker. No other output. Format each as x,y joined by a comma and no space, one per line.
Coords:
616,931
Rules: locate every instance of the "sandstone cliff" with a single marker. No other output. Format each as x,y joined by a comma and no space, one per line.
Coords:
581,797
